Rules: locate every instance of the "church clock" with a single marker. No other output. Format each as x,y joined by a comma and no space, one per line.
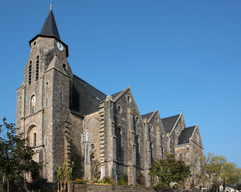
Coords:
60,46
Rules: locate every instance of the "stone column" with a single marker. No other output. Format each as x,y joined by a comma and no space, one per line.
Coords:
147,152
131,149
87,163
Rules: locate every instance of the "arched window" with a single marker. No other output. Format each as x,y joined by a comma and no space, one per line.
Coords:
29,72
37,68
34,139
32,104
32,135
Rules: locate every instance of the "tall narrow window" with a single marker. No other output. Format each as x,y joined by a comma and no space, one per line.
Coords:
29,72
34,139
37,67
32,104
118,144
161,138
61,95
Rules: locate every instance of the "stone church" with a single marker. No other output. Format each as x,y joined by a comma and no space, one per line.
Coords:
57,110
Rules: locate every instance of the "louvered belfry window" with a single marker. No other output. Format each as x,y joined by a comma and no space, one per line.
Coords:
29,72
37,67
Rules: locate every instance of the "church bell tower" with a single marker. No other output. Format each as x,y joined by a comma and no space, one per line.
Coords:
43,98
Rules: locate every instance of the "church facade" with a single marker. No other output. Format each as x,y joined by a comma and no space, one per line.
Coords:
58,111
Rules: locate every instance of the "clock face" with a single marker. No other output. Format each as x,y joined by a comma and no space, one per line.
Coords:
60,46
33,99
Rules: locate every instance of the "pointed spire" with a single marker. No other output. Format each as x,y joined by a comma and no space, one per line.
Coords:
50,28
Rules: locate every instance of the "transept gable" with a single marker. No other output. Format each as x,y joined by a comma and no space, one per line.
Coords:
196,137
118,95
125,99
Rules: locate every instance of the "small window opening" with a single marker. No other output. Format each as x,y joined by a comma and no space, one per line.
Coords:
37,68
136,119
118,108
61,95
46,141
34,43
64,66
47,86
29,72
20,113
46,102
34,139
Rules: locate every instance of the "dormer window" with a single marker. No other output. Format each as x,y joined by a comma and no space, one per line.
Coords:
29,72
37,68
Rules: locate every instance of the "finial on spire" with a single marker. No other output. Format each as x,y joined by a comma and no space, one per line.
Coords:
181,110
51,5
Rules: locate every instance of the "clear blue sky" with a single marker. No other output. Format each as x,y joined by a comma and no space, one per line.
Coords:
173,54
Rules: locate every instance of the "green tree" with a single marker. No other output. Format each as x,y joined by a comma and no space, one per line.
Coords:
16,156
168,171
221,171
64,174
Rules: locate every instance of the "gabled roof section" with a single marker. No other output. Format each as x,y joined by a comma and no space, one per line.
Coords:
92,90
169,122
185,135
50,28
115,95
147,116
118,95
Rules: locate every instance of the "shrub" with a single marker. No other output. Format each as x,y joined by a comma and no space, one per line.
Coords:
123,180
141,179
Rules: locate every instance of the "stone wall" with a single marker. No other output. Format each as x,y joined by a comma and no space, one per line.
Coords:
98,188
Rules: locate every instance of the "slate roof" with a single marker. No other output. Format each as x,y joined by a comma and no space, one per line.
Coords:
147,116
169,122
185,135
50,28
95,92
